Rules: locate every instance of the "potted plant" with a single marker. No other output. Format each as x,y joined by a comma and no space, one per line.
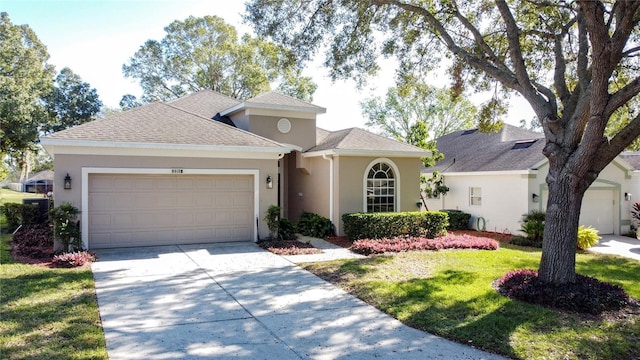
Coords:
635,218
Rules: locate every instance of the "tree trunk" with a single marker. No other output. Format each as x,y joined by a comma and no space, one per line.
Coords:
558,263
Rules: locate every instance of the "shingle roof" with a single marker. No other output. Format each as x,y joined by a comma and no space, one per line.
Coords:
160,123
632,158
205,103
356,139
512,148
277,101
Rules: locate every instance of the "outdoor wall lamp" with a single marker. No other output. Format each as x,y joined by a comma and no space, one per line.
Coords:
269,182
67,182
419,204
627,196
535,198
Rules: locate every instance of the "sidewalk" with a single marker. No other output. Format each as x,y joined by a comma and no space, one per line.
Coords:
618,245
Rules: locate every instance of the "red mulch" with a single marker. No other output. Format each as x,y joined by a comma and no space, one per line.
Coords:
340,241
489,234
289,247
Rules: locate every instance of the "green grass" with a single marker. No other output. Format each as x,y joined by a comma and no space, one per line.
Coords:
47,313
10,196
449,293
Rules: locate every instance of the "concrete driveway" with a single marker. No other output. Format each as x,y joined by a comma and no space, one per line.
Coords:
236,300
618,245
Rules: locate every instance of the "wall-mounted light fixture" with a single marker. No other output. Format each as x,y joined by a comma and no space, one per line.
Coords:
535,198
67,182
627,196
269,182
419,204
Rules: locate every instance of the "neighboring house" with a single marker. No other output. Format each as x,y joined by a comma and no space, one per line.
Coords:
206,167
39,183
498,177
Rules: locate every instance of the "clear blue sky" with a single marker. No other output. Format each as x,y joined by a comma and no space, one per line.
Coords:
96,37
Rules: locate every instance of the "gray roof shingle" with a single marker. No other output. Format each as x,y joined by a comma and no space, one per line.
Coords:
359,139
632,158
205,103
159,123
511,148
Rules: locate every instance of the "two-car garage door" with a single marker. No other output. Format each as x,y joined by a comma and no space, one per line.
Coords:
143,210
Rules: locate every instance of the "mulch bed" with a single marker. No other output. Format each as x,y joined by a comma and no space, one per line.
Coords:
341,241
289,247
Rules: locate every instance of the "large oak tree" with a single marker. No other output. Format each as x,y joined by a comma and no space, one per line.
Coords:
575,62
25,78
206,53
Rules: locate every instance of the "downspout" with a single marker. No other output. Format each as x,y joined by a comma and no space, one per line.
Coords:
324,156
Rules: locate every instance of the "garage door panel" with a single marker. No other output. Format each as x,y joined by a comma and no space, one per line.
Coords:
141,210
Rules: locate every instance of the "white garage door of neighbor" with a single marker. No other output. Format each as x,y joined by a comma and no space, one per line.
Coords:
598,210
145,210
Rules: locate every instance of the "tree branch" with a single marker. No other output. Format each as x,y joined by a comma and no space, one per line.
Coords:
609,150
622,96
515,50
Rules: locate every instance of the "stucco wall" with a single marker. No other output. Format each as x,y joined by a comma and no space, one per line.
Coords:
506,197
309,188
350,175
503,199
73,165
302,133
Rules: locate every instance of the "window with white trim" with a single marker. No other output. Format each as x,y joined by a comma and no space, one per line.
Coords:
381,188
475,196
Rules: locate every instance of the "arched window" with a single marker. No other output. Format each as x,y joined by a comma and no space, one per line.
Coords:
381,188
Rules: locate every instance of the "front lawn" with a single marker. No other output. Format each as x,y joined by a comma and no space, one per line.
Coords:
47,313
449,293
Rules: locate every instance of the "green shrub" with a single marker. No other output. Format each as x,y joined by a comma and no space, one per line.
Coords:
524,241
533,226
286,229
272,218
587,237
65,226
387,225
458,220
314,225
20,214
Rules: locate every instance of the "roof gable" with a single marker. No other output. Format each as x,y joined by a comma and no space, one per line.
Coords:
160,123
511,148
356,141
276,101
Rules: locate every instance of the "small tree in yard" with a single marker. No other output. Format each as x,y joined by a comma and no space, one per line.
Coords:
575,62
65,226
272,218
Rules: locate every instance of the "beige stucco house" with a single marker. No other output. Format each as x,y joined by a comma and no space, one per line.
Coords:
206,167
498,177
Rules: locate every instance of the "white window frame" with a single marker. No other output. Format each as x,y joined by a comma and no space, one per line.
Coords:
475,193
396,178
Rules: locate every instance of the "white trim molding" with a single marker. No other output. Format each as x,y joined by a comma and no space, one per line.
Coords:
396,174
86,171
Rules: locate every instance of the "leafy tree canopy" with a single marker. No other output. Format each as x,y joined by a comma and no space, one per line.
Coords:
418,114
206,53
575,62
72,102
25,77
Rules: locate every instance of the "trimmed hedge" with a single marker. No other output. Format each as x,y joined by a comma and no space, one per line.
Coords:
458,220
428,224
21,214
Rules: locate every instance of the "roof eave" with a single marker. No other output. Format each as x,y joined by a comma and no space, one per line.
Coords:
359,152
246,105
52,142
